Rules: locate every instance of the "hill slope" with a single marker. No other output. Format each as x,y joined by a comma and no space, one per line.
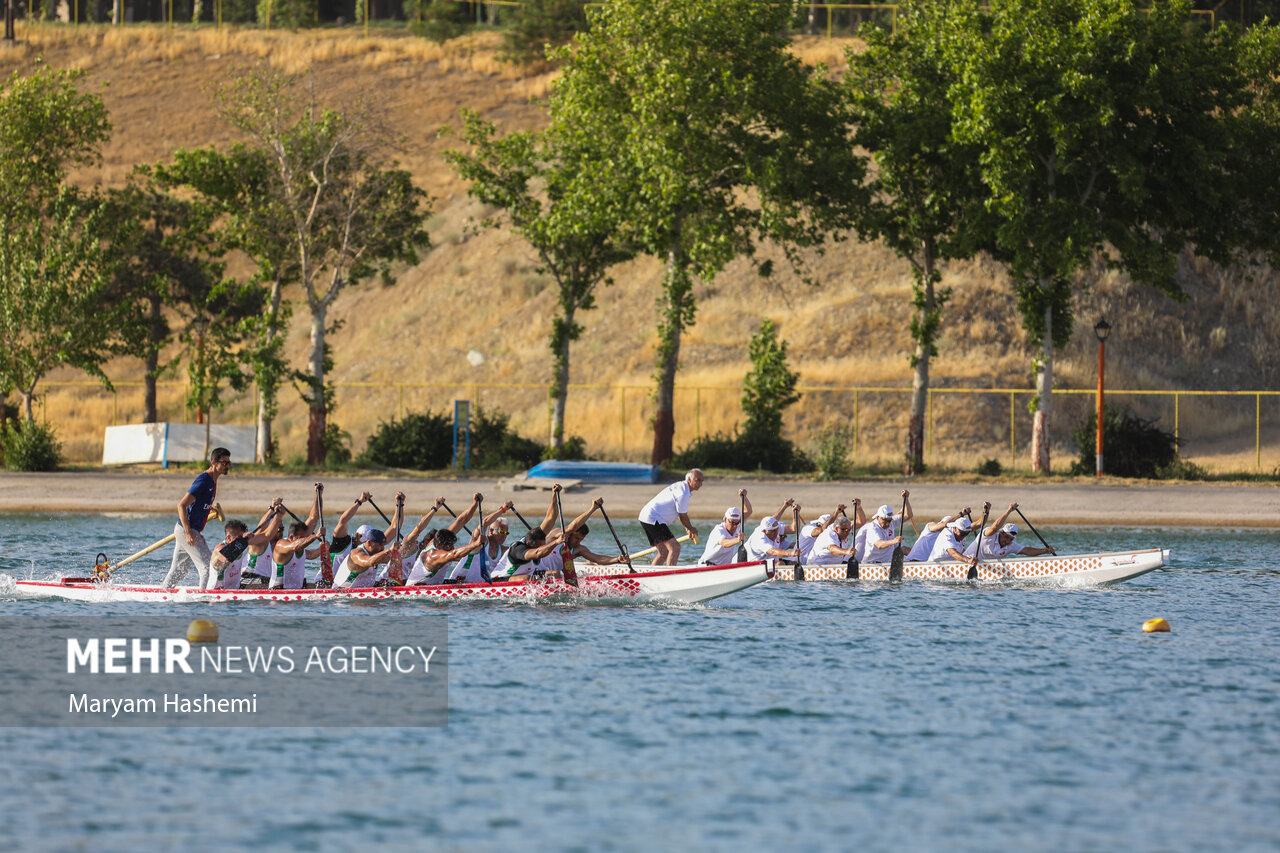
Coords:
481,292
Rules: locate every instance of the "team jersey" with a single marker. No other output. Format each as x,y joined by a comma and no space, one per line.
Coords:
872,533
291,574
924,545
991,548
716,554
819,555
946,539
758,544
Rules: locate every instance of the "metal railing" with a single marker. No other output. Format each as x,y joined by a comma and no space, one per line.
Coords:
876,414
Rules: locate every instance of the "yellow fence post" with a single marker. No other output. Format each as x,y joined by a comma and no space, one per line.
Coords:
855,423
115,407
548,414
697,413
622,420
1177,397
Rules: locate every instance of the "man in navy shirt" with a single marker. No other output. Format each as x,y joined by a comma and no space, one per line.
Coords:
189,547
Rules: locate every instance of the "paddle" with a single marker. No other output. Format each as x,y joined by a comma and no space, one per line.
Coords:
795,522
455,515
972,574
108,570
895,562
742,531
521,517
622,549
386,520
851,564
326,560
1036,532
396,570
647,551
570,574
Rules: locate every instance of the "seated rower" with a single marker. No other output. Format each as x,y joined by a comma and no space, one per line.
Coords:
949,544
835,544
809,533
435,564
481,566
552,563
523,556
359,569
883,533
924,545
342,542
768,540
725,537
290,555
418,571
998,540
231,556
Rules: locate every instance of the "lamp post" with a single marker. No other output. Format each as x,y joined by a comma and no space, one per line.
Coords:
1101,329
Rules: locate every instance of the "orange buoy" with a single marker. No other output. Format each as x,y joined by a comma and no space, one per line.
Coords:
204,631
1154,626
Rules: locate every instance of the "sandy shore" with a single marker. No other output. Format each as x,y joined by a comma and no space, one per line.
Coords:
1198,504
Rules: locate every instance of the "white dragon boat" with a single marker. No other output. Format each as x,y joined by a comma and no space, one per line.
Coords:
1063,570
687,585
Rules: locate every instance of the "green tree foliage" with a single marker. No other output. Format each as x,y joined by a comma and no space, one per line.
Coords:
770,387
711,134
926,187
349,216
1132,446
439,20
1102,135
56,304
421,441
557,205
29,446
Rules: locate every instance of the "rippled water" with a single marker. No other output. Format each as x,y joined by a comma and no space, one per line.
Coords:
800,716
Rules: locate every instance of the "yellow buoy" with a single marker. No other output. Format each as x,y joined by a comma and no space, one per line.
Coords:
204,631
1152,626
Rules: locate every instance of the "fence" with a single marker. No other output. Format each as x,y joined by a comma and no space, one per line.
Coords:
1232,430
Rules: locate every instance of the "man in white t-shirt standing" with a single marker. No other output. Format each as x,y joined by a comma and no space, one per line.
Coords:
670,504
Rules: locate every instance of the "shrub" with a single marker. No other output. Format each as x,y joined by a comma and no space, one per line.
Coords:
991,468
337,444
542,22
287,14
30,446
495,445
1132,446
770,387
419,441
745,452
574,449
1181,469
831,452
442,20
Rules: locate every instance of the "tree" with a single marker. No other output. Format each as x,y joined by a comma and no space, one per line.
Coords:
349,218
770,387
927,186
556,205
237,184
56,304
710,134
1102,136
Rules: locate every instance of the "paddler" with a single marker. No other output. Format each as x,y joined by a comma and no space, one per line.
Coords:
949,544
424,568
189,545
492,558
359,569
575,532
768,540
724,539
523,557
810,532
923,546
883,533
669,505
289,556
231,556
343,539
835,544
998,540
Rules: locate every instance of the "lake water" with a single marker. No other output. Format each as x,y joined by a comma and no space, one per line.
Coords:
794,716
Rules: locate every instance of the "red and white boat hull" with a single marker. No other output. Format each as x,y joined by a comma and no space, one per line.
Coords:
680,585
1064,570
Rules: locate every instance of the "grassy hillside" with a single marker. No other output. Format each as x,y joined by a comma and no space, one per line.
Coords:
481,291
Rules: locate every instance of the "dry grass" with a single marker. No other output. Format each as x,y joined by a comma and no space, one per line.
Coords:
482,292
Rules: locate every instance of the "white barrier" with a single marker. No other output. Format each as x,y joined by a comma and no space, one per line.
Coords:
169,442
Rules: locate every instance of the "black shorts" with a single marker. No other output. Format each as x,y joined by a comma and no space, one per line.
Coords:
657,533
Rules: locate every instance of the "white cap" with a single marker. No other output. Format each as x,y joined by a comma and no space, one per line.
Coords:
1010,528
823,519
885,511
733,514
769,523
962,524
363,531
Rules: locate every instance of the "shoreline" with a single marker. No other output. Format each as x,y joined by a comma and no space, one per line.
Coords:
1108,503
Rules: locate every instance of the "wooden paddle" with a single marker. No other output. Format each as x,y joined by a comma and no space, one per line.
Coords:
326,560
895,562
1036,532
622,549
795,522
647,551
851,565
396,570
742,531
570,573
215,511
972,574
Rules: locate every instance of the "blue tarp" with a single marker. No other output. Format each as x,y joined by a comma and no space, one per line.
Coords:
596,472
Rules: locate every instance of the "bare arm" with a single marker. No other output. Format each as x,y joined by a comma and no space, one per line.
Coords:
424,521
340,529
397,518
549,522
746,506
467,514
999,522
582,519
598,559
859,514
782,510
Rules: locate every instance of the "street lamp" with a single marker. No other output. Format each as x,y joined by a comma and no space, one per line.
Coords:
1101,329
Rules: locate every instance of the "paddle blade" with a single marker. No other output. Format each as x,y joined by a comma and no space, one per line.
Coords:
570,574
326,563
895,564
742,553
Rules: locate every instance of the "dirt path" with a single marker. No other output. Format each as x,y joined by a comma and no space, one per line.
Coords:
1200,504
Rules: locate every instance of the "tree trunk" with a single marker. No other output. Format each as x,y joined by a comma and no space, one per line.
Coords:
156,336
316,403
813,18
8,20
678,289
560,385
28,409
1044,398
920,382
263,451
